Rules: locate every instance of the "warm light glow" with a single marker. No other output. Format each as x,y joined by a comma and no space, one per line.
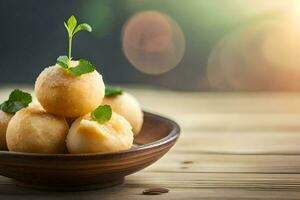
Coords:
264,54
153,42
294,9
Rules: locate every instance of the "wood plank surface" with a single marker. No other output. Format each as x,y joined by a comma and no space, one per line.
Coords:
233,146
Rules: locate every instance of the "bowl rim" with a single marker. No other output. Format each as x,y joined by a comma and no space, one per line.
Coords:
171,137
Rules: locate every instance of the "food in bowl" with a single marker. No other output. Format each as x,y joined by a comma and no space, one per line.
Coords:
16,101
62,93
33,130
74,113
126,105
4,120
87,135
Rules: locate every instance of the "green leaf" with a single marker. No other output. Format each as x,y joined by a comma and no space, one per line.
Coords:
19,95
113,91
102,114
72,22
83,27
63,61
17,100
11,106
83,67
66,27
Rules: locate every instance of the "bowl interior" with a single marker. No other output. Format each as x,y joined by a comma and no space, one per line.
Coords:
156,128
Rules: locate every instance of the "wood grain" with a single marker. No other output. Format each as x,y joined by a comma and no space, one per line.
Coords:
233,146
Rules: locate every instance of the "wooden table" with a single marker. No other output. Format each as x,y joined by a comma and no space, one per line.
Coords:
233,146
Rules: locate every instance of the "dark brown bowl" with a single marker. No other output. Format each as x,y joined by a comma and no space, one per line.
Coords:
91,171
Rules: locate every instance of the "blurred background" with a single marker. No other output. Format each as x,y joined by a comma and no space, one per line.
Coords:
197,45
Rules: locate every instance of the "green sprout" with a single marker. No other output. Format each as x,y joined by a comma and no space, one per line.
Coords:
84,66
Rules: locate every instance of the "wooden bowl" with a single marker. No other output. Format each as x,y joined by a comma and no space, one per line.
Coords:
91,171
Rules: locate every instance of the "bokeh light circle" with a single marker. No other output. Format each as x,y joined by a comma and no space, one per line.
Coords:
261,55
153,42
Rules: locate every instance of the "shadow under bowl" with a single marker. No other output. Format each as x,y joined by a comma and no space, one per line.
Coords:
91,171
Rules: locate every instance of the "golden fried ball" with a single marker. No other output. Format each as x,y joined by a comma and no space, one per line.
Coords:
65,94
87,136
4,120
35,104
35,131
71,120
127,106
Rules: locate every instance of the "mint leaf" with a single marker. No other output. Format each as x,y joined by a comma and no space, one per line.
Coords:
63,61
19,95
72,22
83,67
83,27
17,100
11,106
102,114
113,91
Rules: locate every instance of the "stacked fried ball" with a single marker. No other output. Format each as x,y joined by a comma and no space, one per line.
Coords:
74,113
42,127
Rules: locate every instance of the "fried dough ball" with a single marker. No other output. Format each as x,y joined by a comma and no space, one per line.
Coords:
33,130
36,105
70,121
127,106
65,94
4,120
87,136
